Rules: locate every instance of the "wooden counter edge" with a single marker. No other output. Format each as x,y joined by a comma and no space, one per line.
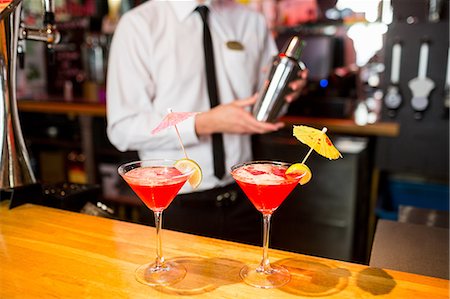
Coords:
339,126
59,107
345,126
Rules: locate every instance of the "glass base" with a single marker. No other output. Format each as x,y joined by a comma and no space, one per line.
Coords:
274,277
167,274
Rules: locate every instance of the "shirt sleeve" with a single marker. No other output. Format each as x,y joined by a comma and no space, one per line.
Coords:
131,91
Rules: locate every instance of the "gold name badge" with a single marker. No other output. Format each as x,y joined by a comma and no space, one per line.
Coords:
235,45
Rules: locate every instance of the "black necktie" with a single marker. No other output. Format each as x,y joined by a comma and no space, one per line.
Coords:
217,138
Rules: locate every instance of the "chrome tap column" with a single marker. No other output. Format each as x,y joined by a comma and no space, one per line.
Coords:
15,168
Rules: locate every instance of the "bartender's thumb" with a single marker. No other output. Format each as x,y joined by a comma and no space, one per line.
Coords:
247,102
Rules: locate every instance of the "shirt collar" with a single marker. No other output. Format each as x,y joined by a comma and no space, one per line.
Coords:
183,9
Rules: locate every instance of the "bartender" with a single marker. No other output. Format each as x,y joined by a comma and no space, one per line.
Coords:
160,58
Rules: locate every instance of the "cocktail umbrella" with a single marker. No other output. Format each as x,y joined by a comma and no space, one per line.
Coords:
317,140
172,119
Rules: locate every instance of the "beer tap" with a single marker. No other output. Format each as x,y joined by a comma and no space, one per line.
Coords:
17,179
48,34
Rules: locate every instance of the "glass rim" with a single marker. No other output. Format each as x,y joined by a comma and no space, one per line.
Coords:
153,162
273,162
280,163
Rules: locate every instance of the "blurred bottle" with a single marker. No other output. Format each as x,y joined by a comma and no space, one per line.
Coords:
285,68
94,57
76,171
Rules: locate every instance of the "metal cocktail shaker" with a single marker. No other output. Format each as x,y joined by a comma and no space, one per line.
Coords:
285,68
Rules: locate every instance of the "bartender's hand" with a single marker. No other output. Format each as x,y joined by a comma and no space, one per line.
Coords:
297,86
233,118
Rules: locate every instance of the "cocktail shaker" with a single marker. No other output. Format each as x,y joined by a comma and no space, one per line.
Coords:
284,69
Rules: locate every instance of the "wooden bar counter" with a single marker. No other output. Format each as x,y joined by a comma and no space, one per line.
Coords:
51,253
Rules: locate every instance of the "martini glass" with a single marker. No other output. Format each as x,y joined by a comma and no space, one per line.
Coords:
267,186
156,182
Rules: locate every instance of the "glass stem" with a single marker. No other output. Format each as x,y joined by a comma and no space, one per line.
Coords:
159,255
265,264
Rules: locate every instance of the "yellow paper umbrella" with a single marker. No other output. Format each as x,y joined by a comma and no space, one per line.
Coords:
317,140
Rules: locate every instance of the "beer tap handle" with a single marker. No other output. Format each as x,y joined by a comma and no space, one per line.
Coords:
21,53
49,8
49,18
51,56
49,22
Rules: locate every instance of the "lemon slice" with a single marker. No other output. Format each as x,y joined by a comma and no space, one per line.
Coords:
184,165
300,168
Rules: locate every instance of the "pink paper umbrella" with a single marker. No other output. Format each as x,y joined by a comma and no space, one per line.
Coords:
172,119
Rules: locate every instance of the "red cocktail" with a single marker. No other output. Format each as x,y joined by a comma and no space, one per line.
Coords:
157,182
266,185
156,186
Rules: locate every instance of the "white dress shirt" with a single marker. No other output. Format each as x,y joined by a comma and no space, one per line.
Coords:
156,62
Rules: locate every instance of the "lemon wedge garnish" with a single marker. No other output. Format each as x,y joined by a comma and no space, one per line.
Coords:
300,168
184,165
